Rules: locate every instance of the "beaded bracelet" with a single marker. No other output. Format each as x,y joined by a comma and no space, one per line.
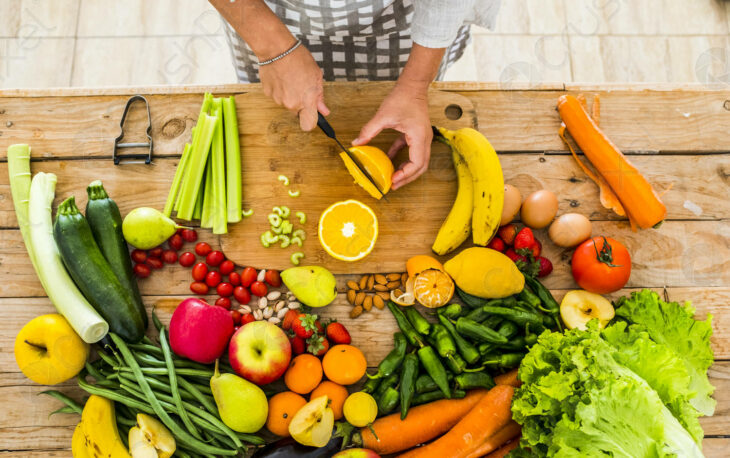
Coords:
282,55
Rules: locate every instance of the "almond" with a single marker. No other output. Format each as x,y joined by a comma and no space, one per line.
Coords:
363,282
383,295
371,282
367,304
356,311
404,278
359,298
353,285
378,302
380,288
392,277
380,279
351,293
393,284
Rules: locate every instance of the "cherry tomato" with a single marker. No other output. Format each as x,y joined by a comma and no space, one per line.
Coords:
236,315
142,270
200,270
601,265
213,278
139,255
187,259
202,249
258,288
155,252
224,289
248,276
175,242
223,302
169,256
154,263
198,287
273,278
179,231
189,235
242,295
215,258
226,267
234,278
247,318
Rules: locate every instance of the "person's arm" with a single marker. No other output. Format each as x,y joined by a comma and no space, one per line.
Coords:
294,81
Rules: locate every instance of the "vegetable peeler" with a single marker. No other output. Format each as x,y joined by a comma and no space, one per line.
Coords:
148,156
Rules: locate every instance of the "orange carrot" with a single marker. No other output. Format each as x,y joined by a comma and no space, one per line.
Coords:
503,451
639,200
491,414
422,424
508,378
499,438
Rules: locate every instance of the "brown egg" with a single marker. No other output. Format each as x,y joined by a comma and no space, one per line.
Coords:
539,209
512,202
569,230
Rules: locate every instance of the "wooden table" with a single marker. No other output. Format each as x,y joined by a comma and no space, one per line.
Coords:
676,135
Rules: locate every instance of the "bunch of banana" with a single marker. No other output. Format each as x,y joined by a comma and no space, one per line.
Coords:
97,434
479,200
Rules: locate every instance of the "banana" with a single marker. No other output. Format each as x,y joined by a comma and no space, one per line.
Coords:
99,426
457,225
78,443
487,180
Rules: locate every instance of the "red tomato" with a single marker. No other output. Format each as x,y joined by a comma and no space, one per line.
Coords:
200,270
139,255
248,276
242,295
189,235
202,249
247,318
224,289
213,278
198,287
142,270
259,288
215,258
187,259
601,265
236,315
169,256
175,242
234,278
154,263
155,252
226,267
273,278
223,302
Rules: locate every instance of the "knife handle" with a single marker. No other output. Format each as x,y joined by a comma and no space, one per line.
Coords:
325,126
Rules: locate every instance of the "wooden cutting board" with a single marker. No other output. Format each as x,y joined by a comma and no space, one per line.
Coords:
274,145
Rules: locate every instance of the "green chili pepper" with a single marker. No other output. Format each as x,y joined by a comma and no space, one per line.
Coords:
508,329
452,311
548,301
504,360
470,300
508,302
431,396
466,349
470,380
405,326
388,401
435,369
407,388
493,321
519,317
393,360
424,384
388,382
485,348
442,341
480,315
476,331
417,320
528,296
371,385
456,364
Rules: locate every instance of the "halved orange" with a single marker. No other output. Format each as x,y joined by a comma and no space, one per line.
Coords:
375,162
421,262
433,288
348,230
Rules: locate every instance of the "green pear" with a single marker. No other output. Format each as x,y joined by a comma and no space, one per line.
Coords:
313,285
146,228
241,405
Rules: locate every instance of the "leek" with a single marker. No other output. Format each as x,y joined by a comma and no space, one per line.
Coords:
218,163
233,161
19,174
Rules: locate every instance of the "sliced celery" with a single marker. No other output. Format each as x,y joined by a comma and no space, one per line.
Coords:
233,161
206,215
218,158
172,196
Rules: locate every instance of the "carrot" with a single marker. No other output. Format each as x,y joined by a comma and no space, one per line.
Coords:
508,378
639,200
491,414
503,451
499,438
422,424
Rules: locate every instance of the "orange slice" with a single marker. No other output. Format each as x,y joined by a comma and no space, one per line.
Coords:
348,230
421,262
375,162
433,288
404,297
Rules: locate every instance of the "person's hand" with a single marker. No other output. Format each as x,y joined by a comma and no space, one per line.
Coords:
405,109
295,82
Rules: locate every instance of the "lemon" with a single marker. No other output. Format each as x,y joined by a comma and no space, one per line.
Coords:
360,409
312,424
486,273
348,230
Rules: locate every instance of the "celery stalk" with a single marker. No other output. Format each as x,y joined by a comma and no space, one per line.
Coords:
198,156
183,173
206,216
218,162
172,196
198,210
233,160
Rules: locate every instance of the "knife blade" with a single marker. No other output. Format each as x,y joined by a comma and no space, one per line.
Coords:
325,126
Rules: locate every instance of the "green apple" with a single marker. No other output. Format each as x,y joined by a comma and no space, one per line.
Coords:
312,285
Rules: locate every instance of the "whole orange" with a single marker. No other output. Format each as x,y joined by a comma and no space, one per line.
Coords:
336,394
304,374
344,364
282,407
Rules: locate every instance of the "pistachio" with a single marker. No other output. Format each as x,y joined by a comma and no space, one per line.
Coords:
261,275
294,305
274,295
282,313
279,305
268,312
263,302
274,320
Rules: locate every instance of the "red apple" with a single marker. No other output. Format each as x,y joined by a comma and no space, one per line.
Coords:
356,453
200,331
259,352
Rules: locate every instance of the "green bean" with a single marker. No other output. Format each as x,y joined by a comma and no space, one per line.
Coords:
158,385
156,321
70,403
113,395
173,386
94,371
163,371
125,422
64,409
202,398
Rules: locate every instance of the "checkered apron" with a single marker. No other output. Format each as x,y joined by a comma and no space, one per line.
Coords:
352,40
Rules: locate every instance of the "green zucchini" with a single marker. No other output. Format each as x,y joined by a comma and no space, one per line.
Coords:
93,274
105,221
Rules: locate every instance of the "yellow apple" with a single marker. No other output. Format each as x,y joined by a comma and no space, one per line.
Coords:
48,350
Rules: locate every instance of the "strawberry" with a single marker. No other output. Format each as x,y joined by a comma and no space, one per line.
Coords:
289,318
512,254
524,239
536,248
247,318
507,233
338,334
305,325
317,345
298,345
497,244
545,267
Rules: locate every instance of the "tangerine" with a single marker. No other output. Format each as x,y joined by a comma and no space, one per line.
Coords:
344,364
336,394
304,374
282,407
